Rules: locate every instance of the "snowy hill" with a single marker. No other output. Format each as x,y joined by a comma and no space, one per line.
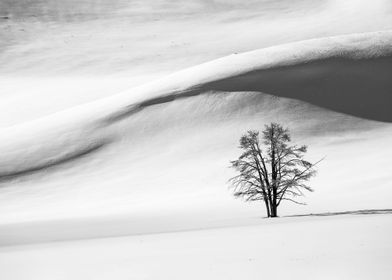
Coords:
118,120
166,145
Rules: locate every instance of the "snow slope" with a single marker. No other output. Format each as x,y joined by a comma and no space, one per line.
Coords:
73,149
166,144
119,120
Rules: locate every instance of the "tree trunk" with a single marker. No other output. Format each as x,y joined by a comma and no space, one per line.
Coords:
274,211
274,203
267,207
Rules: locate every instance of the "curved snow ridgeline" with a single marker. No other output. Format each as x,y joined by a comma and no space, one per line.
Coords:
166,145
348,74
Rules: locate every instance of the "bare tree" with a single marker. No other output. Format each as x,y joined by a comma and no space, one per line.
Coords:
273,173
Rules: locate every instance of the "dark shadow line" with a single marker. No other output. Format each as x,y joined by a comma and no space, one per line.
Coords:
50,164
353,212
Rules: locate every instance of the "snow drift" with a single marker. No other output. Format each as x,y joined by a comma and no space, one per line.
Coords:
166,145
347,74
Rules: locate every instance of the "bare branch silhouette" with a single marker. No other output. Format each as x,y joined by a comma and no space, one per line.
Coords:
271,170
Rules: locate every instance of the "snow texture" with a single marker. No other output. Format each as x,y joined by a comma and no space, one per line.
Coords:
120,119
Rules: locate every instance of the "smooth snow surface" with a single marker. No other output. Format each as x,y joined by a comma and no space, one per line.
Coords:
337,247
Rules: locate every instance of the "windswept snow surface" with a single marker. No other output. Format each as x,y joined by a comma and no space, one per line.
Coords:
337,247
121,119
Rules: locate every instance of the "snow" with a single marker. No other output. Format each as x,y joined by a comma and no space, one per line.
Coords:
331,247
92,159
121,120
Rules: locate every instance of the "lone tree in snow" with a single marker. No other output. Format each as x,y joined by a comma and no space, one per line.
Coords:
273,172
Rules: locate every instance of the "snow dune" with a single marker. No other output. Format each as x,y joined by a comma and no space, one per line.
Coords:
349,74
114,147
166,145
